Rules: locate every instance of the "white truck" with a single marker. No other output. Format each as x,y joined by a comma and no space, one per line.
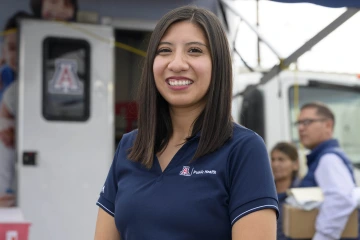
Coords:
271,109
76,90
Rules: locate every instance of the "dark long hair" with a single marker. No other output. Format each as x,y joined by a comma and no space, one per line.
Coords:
215,122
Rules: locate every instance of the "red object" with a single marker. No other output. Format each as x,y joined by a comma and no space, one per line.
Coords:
130,109
14,231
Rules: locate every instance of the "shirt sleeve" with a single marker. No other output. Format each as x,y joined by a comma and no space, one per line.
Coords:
108,192
336,183
251,182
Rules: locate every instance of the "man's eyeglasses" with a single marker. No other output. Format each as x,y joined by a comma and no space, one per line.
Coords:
307,122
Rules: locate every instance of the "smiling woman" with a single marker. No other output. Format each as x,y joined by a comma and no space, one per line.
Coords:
188,172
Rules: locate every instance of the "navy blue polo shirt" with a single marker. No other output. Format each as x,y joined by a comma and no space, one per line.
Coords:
192,201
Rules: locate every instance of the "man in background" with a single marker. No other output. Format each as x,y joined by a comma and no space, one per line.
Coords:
328,168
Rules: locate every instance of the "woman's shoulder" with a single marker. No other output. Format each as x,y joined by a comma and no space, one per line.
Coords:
243,134
123,147
247,146
245,142
127,140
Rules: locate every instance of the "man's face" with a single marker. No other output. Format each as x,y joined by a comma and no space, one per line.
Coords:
313,128
10,50
57,10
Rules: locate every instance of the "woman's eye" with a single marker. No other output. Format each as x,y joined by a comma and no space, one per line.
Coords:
163,50
195,50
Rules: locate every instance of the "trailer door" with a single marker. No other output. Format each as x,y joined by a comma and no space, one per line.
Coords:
65,132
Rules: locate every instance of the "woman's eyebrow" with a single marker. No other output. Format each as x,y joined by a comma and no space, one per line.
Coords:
188,43
196,43
165,43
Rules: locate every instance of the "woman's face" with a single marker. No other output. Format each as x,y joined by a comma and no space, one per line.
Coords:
282,166
182,66
57,10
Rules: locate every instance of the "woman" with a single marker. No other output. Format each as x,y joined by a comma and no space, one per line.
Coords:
285,167
188,172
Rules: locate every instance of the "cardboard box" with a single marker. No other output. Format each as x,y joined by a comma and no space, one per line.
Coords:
12,225
300,224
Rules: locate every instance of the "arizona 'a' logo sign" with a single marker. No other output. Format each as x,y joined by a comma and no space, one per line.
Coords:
65,79
185,171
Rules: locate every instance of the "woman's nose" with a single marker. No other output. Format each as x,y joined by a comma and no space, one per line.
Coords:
178,63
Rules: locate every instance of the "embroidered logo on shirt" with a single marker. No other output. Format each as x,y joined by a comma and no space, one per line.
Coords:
186,171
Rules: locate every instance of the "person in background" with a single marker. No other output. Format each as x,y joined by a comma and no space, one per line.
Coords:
188,171
8,61
8,73
62,10
328,168
285,167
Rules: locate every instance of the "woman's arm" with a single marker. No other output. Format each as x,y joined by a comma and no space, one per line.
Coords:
105,227
257,225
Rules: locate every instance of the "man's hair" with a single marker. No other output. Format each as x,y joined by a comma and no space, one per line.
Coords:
215,122
321,109
13,21
36,7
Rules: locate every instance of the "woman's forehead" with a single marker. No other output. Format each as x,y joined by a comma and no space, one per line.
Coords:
185,28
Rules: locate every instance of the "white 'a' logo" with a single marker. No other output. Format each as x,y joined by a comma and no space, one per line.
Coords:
185,171
65,79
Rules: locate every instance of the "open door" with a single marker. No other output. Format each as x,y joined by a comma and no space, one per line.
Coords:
65,132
